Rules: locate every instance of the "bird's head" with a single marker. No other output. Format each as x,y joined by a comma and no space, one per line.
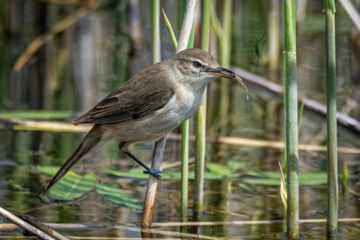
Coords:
199,68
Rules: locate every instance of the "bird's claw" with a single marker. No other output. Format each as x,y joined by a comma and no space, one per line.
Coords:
154,172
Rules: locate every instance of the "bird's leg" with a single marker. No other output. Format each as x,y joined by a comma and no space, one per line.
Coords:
154,172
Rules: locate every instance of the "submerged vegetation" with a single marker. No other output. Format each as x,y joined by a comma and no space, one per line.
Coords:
61,57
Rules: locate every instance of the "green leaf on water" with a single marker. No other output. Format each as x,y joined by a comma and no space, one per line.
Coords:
235,165
71,186
219,169
263,181
137,173
36,114
246,187
14,185
264,174
273,178
117,196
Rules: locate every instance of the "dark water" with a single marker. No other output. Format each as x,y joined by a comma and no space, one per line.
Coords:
76,68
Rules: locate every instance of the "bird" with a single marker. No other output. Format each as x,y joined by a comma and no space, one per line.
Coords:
149,105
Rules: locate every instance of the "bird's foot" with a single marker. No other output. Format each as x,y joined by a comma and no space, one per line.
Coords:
154,172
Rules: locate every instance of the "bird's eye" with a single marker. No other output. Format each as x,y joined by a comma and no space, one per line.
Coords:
197,64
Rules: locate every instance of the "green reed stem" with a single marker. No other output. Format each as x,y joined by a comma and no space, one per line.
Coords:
205,32
225,62
184,153
155,32
185,141
159,146
301,110
184,170
201,124
284,106
216,25
274,39
332,220
223,34
291,120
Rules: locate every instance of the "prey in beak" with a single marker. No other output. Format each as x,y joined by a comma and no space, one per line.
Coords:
226,73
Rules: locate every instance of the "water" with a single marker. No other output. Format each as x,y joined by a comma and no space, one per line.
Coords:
82,77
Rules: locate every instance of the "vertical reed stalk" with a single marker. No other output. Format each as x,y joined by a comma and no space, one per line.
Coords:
201,123
291,120
332,219
184,151
225,55
159,146
284,103
184,170
155,35
184,42
223,34
274,39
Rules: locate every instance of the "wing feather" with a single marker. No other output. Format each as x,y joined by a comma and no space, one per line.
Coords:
136,98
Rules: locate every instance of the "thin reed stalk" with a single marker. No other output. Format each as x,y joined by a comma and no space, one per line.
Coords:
284,108
184,151
332,219
159,146
274,39
201,124
225,55
223,33
291,120
185,41
184,170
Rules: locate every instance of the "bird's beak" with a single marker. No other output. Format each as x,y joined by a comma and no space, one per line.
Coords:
226,73
222,72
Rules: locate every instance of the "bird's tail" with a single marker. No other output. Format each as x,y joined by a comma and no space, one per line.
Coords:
91,140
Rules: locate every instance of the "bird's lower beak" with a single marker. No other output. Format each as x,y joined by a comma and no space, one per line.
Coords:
226,73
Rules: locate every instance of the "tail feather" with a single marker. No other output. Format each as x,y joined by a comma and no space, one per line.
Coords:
91,140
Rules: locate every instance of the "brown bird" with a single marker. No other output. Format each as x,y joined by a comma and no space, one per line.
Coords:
149,105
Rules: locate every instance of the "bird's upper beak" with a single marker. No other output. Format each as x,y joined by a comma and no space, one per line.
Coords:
226,73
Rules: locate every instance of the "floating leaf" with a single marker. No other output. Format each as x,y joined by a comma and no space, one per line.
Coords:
266,178
262,181
246,188
71,186
137,173
34,114
14,185
117,196
235,165
264,174
49,170
219,169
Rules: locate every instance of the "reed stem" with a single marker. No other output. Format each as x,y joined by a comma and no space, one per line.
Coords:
225,55
184,151
188,24
332,220
291,120
159,146
201,124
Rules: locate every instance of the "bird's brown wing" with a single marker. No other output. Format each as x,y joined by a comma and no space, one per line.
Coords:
130,101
